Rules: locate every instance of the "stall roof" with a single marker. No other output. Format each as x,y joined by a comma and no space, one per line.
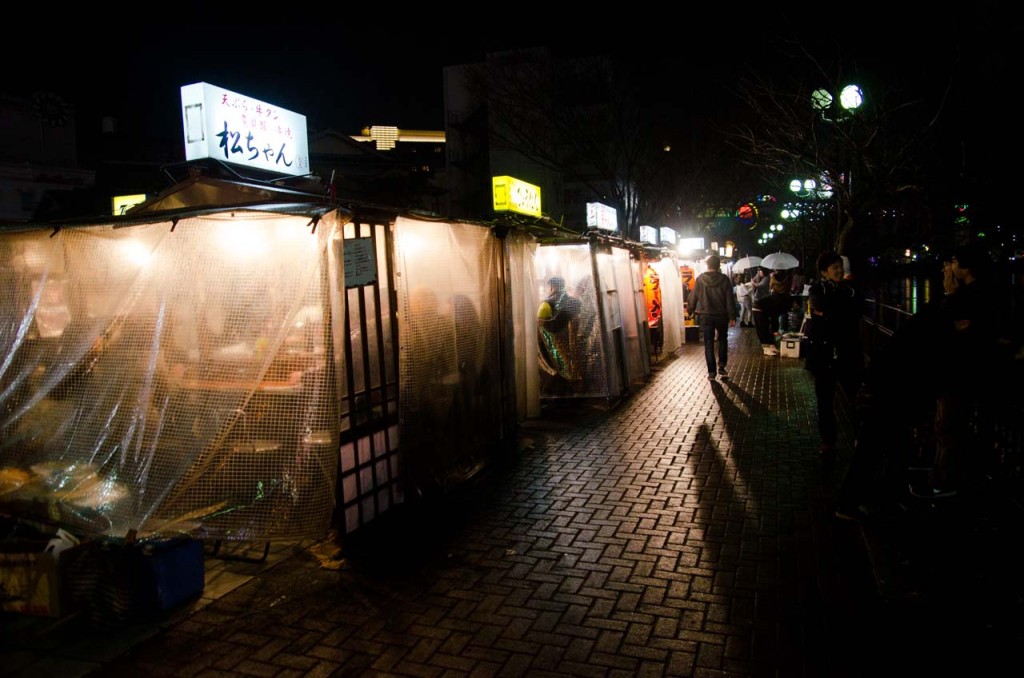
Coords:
203,193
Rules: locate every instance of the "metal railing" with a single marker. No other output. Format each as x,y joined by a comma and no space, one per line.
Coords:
879,322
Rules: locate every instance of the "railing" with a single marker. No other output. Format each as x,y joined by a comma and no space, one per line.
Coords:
1003,462
879,322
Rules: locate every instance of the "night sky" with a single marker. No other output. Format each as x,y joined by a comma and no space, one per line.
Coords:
353,68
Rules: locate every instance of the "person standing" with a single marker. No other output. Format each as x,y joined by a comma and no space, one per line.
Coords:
973,359
714,303
556,327
746,303
760,290
834,354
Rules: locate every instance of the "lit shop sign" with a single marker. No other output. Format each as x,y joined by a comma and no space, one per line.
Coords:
602,217
235,128
691,244
120,204
668,235
513,195
649,235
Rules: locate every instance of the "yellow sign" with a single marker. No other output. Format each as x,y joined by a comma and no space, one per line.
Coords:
123,203
513,195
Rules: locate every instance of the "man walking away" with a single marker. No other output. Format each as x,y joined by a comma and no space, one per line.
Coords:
714,303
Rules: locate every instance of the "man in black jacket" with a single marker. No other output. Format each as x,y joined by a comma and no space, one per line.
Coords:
713,301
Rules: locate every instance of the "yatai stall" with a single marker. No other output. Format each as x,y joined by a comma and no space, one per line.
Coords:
602,350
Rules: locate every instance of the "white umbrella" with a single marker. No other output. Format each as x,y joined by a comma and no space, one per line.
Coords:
745,263
780,261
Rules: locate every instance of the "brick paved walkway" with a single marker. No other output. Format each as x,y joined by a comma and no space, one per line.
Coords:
686,532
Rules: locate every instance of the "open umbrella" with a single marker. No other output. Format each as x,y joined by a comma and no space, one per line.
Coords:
745,263
780,261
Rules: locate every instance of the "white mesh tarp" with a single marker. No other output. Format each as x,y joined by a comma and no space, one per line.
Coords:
671,302
584,370
522,248
450,374
169,377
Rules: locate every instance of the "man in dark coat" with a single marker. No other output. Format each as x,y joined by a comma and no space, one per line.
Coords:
714,303
834,354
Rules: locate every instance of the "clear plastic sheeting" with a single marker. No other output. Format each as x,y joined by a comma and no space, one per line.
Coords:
169,378
522,248
603,349
450,376
671,302
581,370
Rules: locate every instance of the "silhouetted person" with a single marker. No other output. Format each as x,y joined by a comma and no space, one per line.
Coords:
714,304
834,353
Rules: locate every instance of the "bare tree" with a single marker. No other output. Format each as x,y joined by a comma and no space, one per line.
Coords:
583,118
867,157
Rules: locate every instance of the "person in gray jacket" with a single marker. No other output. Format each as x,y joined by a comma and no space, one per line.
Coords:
713,301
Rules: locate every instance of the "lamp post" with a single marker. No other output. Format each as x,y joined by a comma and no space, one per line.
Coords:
851,98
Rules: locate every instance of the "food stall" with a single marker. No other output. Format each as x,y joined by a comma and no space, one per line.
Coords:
663,289
606,346
167,374
237,362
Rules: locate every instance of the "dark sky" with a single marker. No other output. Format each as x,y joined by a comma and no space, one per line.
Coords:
354,67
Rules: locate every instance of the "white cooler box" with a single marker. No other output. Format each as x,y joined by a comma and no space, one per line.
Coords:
790,345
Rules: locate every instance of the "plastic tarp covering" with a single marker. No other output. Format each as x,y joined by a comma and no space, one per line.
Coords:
521,248
671,302
169,378
448,336
637,345
582,370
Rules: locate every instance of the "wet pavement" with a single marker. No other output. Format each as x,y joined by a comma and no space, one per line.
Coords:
687,531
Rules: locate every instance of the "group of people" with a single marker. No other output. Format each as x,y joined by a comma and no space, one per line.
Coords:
896,387
765,302
935,376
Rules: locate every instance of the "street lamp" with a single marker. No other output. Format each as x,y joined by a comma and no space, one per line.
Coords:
851,98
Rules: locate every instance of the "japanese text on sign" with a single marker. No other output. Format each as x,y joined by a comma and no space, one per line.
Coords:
238,129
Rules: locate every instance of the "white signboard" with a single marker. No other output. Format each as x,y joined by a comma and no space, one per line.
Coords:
360,264
691,244
668,235
649,235
602,217
237,129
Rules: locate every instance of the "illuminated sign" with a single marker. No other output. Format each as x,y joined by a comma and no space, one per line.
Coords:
691,244
235,128
512,195
668,235
122,203
649,234
602,217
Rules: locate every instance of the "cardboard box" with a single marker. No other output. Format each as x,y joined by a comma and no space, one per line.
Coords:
35,583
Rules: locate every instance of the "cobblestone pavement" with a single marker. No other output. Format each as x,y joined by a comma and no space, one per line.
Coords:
688,531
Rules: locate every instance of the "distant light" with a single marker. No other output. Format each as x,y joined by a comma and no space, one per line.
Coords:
821,99
795,185
667,148
851,97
